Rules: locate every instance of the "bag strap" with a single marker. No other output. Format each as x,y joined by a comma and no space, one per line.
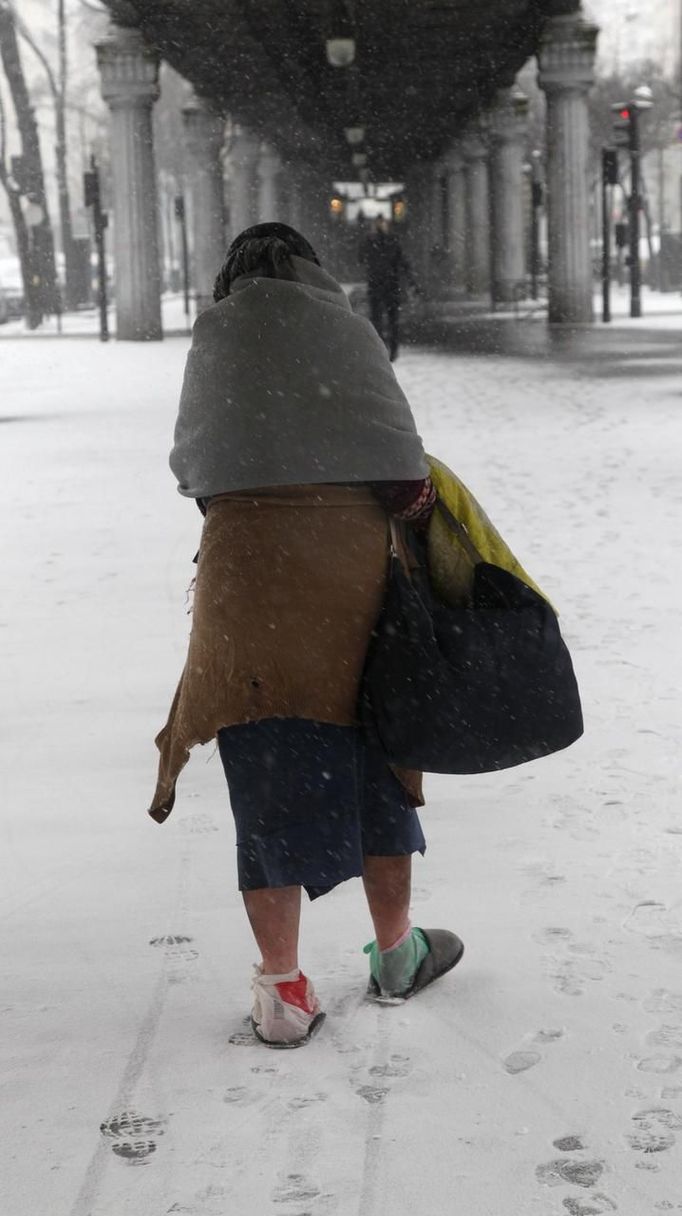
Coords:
459,531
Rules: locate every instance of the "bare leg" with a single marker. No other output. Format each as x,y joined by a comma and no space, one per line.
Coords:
387,883
274,914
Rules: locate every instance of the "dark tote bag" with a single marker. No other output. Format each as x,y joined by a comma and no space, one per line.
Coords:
471,689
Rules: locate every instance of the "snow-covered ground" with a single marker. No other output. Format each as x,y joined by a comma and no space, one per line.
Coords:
544,1076
660,310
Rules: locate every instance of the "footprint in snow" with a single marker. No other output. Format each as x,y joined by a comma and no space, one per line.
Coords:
133,1136
553,934
662,1000
242,1095
595,1205
665,1036
295,1188
659,1064
305,1100
569,1144
244,1037
298,1189
649,1141
521,1061
179,954
566,1169
652,919
374,1094
398,1066
654,1127
548,1036
170,940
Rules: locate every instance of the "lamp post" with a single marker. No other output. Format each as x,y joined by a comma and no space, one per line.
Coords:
93,198
626,126
536,201
609,178
181,217
340,39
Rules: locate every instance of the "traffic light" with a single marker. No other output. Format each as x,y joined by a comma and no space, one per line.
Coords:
610,166
91,188
623,123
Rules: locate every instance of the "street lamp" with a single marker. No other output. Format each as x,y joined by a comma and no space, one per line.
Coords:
340,52
643,97
354,135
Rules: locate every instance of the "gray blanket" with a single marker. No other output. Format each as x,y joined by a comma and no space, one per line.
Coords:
285,385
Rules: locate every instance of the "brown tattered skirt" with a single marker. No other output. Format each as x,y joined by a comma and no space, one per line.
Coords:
290,583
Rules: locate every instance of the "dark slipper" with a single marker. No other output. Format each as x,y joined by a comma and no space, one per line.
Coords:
312,1029
445,951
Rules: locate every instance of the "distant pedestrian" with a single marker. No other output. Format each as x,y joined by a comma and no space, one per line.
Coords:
387,269
297,442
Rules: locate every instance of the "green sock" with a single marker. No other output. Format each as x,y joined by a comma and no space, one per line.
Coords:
394,970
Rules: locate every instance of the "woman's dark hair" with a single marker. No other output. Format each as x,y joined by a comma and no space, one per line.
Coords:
264,250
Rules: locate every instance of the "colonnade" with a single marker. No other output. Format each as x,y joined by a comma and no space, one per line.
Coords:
482,242
468,208
249,180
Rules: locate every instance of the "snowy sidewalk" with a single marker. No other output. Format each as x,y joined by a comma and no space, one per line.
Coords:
544,1076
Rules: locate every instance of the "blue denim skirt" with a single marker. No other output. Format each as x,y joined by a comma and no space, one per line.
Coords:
309,801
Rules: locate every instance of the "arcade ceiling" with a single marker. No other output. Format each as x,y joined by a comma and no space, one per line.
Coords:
422,68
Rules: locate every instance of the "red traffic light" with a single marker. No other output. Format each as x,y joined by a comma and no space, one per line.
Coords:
624,113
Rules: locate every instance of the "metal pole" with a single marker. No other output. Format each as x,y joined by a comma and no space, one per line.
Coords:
185,263
100,226
182,218
605,239
536,203
660,276
635,269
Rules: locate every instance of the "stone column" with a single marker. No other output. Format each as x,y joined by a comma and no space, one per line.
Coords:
419,215
312,194
438,240
295,202
269,168
129,73
566,63
204,131
507,143
477,214
456,234
244,156
439,259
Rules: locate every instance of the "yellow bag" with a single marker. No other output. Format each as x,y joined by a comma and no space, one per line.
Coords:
451,569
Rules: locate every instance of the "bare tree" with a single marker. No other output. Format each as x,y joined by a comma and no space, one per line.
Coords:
38,268
20,227
58,90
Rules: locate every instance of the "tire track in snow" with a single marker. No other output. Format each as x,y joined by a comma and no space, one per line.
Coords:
124,1098
376,1097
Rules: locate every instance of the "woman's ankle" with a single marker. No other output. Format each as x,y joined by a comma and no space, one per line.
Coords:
270,965
394,945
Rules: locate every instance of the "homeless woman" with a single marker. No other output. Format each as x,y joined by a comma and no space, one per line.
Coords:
296,441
